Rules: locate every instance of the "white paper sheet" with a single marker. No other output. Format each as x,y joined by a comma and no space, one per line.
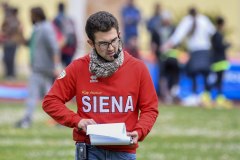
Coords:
108,134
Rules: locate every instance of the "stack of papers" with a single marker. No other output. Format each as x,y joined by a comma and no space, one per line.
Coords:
108,134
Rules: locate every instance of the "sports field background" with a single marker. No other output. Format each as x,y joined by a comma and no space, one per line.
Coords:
179,134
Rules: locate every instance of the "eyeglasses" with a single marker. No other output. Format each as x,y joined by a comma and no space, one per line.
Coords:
105,45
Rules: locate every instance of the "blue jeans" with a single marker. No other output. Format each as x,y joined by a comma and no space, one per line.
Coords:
95,153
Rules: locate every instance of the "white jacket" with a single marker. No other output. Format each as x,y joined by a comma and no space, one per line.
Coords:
200,39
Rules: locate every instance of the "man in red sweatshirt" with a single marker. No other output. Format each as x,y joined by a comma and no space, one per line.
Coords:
110,86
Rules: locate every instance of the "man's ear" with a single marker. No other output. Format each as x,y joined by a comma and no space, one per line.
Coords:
119,34
90,43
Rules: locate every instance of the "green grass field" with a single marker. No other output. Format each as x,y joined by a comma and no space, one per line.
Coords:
179,134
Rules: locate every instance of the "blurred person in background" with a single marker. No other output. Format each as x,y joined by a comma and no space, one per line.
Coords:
154,27
131,18
169,67
198,30
220,63
64,25
110,86
45,63
11,37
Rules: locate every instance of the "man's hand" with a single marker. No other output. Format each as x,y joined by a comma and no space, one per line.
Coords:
58,68
134,136
82,124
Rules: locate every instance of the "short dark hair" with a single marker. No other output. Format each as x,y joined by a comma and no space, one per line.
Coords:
39,13
192,11
101,21
61,7
219,21
14,10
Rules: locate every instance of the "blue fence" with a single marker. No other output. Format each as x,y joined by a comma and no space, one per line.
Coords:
231,82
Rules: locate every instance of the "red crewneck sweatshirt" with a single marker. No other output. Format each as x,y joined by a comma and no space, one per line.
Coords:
126,96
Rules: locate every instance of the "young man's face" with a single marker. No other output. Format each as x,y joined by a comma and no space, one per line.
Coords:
106,43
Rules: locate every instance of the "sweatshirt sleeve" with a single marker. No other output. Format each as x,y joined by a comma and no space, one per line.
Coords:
148,105
61,92
181,31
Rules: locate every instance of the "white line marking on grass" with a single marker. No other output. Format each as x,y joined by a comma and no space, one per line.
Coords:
171,131
35,142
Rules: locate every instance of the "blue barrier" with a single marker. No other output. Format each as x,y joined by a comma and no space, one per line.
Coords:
16,93
154,72
231,82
